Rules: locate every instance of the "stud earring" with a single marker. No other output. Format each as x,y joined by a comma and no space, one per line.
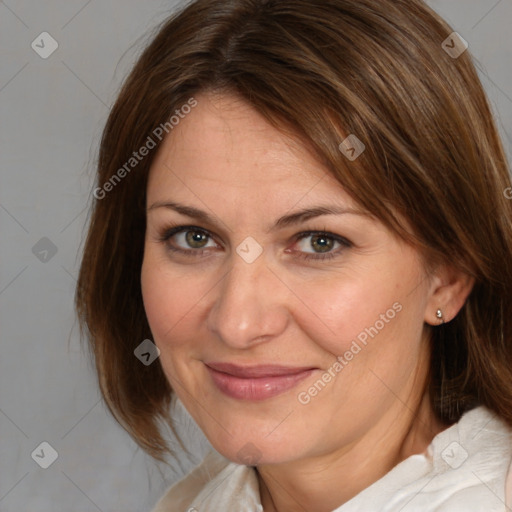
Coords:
439,315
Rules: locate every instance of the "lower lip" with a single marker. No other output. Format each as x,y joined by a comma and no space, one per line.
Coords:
256,388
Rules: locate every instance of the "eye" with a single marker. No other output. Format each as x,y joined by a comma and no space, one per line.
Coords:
193,241
189,240
322,244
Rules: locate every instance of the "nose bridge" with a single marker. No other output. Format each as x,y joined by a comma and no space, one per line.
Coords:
248,305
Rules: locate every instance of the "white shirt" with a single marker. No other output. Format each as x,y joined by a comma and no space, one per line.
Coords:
466,468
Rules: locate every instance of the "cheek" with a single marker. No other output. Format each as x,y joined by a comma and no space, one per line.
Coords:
342,310
367,315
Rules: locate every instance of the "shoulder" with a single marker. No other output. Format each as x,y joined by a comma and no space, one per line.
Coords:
215,484
466,467
472,462
475,455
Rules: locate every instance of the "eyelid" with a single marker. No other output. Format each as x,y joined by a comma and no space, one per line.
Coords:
172,230
327,233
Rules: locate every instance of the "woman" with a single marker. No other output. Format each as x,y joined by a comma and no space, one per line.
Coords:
303,204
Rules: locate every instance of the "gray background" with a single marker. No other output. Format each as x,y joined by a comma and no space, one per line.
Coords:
52,112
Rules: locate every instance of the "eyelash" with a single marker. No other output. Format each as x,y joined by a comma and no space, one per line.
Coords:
169,232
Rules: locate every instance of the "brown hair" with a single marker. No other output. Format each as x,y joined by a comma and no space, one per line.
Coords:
322,69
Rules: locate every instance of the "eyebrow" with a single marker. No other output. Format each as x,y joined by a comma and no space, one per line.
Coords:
284,221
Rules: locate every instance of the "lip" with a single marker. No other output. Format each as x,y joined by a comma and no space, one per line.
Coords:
256,382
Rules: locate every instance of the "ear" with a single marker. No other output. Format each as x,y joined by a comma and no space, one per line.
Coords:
448,292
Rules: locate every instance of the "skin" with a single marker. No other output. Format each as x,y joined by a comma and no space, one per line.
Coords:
225,159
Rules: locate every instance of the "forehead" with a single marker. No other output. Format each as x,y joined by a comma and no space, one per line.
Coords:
224,143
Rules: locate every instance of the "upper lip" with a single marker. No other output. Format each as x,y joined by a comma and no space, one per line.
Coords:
259,371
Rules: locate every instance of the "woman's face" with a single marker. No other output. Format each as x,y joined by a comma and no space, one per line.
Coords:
284,335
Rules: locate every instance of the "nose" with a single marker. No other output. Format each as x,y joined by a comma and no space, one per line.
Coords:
249,306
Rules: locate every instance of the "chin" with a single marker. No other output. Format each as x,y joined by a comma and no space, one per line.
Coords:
249,447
